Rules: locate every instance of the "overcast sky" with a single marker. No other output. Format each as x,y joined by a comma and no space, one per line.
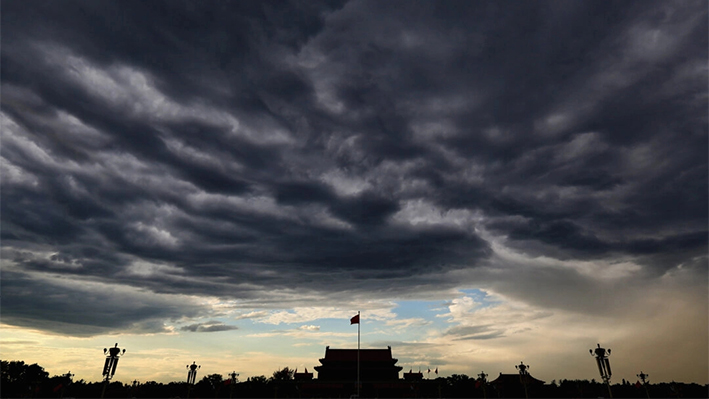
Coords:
229,182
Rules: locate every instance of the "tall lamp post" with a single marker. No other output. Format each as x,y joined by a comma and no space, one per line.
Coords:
110,365
232,382
523,373
604,365
643,378
191,376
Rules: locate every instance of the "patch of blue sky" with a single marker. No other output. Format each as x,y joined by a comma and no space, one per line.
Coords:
249,325
426,310
285,342
479,296
400,329
423,309
335,324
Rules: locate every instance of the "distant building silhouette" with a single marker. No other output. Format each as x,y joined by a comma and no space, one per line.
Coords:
413,376
341,365
305,376
512,385
379,375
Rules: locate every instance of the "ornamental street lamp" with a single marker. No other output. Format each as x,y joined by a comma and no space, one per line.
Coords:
191,376
192,372
523,376
643,378
110,365
604,365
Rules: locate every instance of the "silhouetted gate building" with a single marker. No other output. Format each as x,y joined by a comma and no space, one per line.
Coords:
341,365
379,376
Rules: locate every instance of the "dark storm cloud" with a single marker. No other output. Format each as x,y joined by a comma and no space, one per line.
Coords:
212,326
85,309
474,332
237,148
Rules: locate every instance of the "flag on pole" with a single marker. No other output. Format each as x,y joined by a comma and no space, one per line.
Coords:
355,320
638,385
478,384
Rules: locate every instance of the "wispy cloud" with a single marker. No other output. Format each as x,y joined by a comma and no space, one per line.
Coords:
210,326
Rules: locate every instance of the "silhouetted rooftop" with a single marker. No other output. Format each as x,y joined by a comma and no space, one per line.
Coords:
365,355
514,379
413,376
341,365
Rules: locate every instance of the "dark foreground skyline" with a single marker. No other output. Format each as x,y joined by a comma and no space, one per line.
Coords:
25,380
229,182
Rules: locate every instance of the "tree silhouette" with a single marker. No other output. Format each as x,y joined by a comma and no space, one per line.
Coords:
209,385
284,374
19,378
259,379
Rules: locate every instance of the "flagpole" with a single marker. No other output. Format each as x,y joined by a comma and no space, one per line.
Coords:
359,322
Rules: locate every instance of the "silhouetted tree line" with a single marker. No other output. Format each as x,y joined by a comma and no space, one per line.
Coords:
462,386
20,380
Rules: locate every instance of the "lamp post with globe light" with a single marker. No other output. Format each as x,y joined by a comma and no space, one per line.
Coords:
110,365
523,376
604,365
191,376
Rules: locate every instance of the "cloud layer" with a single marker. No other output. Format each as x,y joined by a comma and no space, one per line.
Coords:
336,151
